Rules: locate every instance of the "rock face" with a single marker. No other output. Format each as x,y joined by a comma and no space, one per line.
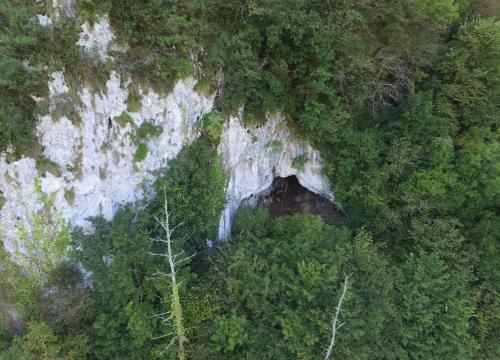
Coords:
97,39
93,169
254,156
95,157
63,9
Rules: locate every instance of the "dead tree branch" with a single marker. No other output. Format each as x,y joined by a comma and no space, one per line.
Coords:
335,318
174,317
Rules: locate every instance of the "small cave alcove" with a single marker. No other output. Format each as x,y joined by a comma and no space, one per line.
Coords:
287,196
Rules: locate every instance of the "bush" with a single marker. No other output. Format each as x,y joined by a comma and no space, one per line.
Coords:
212,125
275,145
44,165
194,184
123,119
141,152
147,130
42,247
229,332
134,103
300,162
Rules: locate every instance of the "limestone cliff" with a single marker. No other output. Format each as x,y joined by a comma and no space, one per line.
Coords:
95,156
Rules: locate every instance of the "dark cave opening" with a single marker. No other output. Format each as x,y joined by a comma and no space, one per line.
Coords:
287,196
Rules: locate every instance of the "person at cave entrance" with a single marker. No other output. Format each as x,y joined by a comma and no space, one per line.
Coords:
279,190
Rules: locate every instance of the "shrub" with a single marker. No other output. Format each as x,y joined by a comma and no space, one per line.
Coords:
134,103
300,161
229,332
147,130
141,152
275,145
212,125
194,184
42,247
44,165
123,119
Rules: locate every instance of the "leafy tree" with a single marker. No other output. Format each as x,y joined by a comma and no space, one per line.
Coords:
286,277
435,308
40,342
229,332
194,184
470,71
212,125
124,301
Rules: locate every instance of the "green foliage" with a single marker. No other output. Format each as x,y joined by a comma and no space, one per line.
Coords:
10,293
134,103
141,152
286,275
300,162
469,94
124,299
471,90
194,184
147,130
19,38
26,47
123,119
160,36
229,332
45,165
118,255
40,342
434,298
42,320
212,125
275,145
443,12
42,247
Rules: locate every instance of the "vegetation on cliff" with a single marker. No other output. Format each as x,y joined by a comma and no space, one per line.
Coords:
402,98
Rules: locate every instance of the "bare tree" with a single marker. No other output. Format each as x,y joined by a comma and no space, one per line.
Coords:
172,318
335,318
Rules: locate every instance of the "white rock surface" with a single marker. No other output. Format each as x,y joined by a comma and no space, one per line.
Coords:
96,156
44,20
57,84
60,140
97,39
64,9
252,164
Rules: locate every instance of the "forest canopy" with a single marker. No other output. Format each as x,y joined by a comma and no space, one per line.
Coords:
402,99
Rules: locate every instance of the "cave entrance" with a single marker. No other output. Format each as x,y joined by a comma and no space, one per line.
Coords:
286,196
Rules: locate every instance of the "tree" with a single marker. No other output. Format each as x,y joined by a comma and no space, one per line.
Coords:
283,275
435,309
40,342
123,300
194,183
174,317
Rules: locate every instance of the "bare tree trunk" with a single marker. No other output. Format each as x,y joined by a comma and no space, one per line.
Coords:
335,318
175,315
176,302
